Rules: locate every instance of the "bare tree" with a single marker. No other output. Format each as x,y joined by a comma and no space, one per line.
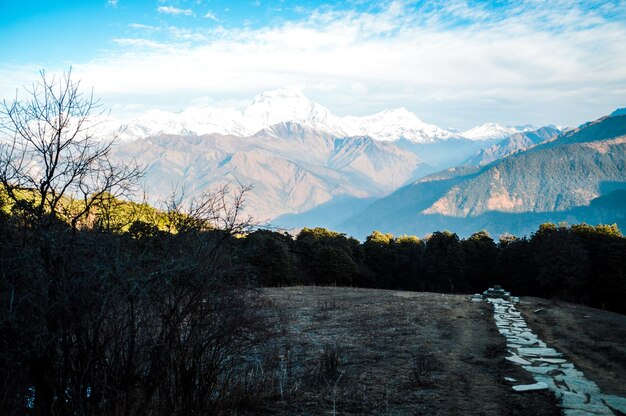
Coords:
149,322
51,164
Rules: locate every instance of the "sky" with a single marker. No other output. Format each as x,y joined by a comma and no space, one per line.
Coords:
453,63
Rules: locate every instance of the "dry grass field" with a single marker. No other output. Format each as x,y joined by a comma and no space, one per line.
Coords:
348,351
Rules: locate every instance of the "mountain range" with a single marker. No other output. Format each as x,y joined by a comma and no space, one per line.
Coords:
576,176
289,104
388,171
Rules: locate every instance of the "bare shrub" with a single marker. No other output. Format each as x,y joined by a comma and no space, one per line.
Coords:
329,360
423,368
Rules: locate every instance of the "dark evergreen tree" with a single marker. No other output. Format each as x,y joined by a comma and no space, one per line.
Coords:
481,255
444,263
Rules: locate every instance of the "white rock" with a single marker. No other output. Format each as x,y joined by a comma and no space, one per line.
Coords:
514,358
551,360
540,369
529,387
539,352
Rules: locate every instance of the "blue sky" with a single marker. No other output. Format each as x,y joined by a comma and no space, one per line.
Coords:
454,63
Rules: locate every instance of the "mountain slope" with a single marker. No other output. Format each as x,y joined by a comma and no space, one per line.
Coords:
568,172
512,144
292,168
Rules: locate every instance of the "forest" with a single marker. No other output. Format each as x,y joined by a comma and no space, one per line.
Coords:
578,263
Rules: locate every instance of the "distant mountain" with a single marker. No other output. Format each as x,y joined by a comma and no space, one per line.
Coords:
550,180
494,131
293,168
304,162
511,144
618,112
275,107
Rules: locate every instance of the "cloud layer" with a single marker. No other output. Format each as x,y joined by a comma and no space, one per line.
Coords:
452,63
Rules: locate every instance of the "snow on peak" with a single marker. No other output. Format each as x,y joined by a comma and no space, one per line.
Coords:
398,123
489,131
283,105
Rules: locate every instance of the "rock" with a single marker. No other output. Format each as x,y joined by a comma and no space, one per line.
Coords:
588,408
549,380
552,361
541,369
614,402
517,360
521,341
539,352
580,386
513,346
529,387
573,373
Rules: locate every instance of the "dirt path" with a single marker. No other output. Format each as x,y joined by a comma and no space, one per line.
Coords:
358,351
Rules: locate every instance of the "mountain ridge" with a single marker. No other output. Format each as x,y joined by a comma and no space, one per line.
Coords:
292,168
289,104
560,175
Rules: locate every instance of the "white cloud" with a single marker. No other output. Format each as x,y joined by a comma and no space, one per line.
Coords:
141,26
112,3
174,10
139,43
455,65
211,15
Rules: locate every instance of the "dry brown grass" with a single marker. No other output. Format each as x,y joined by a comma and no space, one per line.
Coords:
378,352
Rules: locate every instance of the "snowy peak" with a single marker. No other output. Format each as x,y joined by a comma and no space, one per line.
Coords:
494,131
283,105
391,125
290,105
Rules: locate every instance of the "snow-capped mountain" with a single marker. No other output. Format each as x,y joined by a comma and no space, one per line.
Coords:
491,131
279,106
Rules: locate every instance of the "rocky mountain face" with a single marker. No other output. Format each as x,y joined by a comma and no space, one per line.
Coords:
292,168
559,179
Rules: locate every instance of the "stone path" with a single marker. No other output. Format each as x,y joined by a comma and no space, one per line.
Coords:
575,394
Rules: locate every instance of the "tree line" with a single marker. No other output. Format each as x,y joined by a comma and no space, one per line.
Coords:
579,263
